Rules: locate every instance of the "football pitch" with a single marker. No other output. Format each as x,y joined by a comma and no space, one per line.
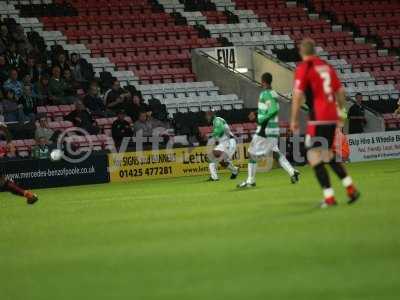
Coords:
190,239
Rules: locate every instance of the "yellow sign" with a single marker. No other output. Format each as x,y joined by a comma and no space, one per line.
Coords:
169,163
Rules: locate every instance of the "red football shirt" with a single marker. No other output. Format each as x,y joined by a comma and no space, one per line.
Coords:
319,82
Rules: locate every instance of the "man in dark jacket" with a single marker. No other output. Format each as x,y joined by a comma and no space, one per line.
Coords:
28,102
93,101
121,129
356,116
82,118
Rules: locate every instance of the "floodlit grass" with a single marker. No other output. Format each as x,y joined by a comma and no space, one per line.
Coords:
189,239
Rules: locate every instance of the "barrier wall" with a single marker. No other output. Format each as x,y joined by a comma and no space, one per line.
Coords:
43,173
374,146
283,75
172,163
179,162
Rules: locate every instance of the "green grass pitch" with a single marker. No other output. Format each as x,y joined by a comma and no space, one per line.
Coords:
189,239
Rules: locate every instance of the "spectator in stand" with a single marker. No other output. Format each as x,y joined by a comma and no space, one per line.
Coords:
10,109
29,103
20,39
121,128
82,118
13,84
80,69
41,150
158,110
7,149
41,69
356,116
29,68
146,124
41,90
4,39
115,97
14,59
5,134
76,68
57,88
62,62
43,131
4,72
70,83
397,111
143,125
252,117
94,102
134,105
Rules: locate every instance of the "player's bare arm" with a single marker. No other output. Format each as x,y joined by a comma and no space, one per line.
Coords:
297,102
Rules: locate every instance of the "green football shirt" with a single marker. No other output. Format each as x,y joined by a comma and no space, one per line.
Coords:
268,111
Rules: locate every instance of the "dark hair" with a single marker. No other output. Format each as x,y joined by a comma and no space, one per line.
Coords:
267,78
358,94
113,80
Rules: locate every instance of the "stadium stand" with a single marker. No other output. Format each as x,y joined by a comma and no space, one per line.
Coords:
146,45
156,48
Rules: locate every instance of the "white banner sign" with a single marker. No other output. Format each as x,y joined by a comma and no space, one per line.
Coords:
374,146
226,56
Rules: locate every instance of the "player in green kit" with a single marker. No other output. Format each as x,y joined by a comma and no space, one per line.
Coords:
225,149
265,141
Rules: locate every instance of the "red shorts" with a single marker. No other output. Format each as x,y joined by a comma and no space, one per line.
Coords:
320,135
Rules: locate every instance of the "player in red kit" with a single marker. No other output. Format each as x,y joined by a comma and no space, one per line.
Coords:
11,186
317,83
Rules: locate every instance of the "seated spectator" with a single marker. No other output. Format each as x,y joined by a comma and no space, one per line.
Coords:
29,68
252,116
41,90
70,83
356,116
12,83
28,102
62,62
134,105
142,124
57,88
121,128
43,131
20,39
14,59
41,69
81,70
115,97
5,134
7,149
41,150
93,101
159,111
397,111
82,118
146,124
4,72
10,108
4,39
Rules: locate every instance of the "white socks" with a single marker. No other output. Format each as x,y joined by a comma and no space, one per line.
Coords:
347,181
232,168
285,164
328,193
251,169
213,170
